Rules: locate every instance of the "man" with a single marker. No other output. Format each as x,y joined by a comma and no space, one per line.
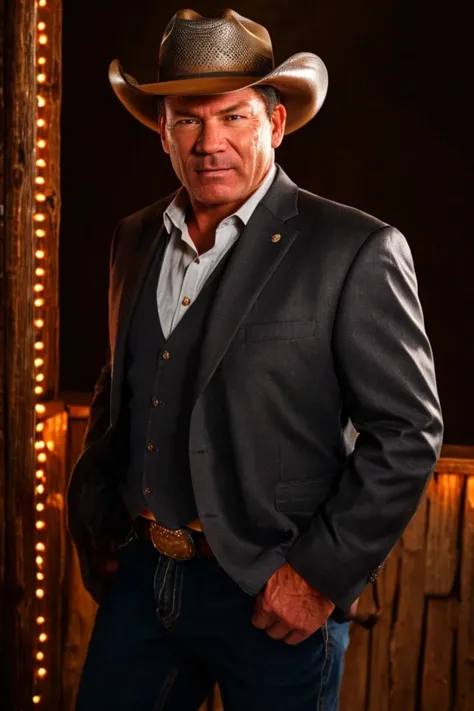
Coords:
255,328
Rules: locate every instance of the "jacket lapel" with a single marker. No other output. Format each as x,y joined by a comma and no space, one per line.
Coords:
255,258
133,271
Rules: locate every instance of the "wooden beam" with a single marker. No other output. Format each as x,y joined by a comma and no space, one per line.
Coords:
442,553
16,307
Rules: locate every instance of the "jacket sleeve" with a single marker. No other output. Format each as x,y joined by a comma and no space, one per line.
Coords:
385,367
99,414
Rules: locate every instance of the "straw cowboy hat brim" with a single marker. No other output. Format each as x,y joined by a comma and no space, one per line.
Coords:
302,81
202,56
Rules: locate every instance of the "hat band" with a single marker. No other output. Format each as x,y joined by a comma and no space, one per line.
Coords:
205,75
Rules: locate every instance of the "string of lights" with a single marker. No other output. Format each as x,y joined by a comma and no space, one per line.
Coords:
41,447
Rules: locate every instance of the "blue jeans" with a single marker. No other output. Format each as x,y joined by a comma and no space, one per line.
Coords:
166,631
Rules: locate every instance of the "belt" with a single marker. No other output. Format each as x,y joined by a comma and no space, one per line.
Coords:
180,544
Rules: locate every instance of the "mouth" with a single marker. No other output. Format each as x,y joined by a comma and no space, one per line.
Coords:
213,171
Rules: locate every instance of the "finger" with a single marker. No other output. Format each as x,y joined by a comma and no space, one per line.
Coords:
279,630
297,636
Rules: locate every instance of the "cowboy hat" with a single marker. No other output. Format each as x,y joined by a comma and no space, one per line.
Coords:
217,55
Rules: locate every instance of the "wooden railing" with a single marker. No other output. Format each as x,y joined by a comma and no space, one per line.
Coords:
413,649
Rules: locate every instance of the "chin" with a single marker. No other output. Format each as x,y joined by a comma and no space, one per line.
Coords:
216,194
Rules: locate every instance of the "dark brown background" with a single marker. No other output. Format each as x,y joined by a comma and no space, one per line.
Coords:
392,139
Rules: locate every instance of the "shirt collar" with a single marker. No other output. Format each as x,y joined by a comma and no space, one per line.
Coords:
175,213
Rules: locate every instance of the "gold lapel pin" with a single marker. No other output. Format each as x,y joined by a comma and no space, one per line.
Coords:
276,238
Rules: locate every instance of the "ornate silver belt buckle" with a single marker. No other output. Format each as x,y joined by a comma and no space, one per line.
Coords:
178,544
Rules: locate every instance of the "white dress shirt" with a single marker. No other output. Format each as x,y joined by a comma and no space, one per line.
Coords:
184,272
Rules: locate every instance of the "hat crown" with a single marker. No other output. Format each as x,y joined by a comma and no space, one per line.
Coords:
223,45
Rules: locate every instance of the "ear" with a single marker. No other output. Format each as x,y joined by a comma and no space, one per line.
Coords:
163,136
278,125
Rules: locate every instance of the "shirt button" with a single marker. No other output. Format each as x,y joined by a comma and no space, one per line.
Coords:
151,447
166,355
186,301
147,491
155,402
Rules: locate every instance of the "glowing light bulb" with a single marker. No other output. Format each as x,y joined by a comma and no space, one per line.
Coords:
40,525
40,489
50,445
41,101
40,620
39,180
40,426
41,60
43,637
40,233
40,656
42,3
42,672
40,593
40,271
41,163
40,409
39,197
38,390
39,302
40,377
39,576
39,217
38,287
41,143
39,323
40,507
36,699
39,474
39,254
39,345
41,123
39,362
42,39
41,26
40,445
42,457
41,78
40,547
39,560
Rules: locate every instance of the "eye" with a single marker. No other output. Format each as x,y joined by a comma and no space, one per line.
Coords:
186,122
234,117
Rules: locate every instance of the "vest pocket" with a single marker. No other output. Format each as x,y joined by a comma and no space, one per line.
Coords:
303,495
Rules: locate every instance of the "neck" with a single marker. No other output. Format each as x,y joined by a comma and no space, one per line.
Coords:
203,220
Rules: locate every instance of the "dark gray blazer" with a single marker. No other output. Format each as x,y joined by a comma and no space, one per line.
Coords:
311,332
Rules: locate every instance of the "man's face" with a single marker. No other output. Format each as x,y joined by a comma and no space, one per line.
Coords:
221,147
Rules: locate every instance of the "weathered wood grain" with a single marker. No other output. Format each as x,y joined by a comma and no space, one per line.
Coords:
385,589
465,649
354,690
442,554
437,678
406,642
17,341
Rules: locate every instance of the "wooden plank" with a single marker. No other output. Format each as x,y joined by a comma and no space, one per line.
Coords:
437,681
455,465
354,688
406,643
465,650
16,295
54,566
50,91
444,494
385,589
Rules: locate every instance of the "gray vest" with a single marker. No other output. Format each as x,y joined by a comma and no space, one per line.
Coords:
159,396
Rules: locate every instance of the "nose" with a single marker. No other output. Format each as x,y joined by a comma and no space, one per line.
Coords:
211,138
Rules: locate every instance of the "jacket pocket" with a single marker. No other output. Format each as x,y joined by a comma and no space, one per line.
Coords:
302,495
278,330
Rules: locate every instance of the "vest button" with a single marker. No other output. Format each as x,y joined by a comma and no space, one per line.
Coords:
186,301
147,491
166,355
276,238
155,402
151,447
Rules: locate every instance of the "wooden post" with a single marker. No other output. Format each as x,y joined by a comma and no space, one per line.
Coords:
17,140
